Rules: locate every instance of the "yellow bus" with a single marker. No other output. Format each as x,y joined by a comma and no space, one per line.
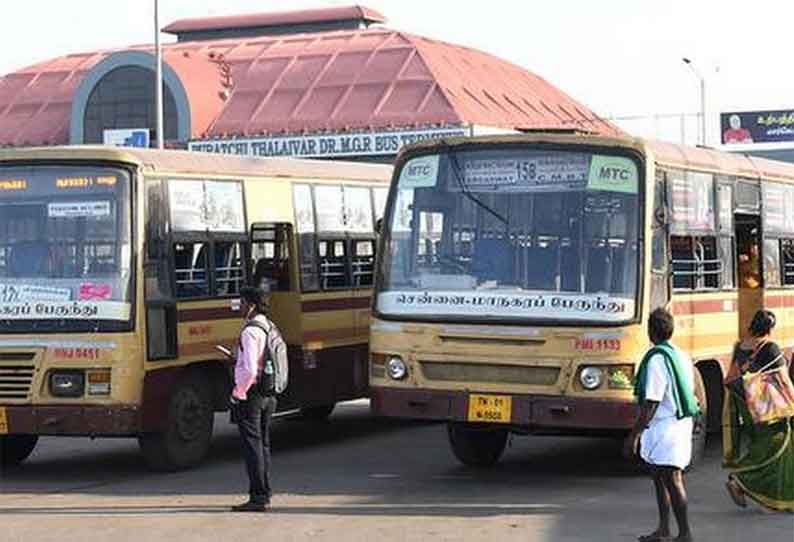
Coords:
516,274
119,274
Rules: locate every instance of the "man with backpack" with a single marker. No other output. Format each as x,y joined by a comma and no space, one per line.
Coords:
259,375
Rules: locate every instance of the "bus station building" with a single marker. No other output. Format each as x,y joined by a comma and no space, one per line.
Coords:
322,83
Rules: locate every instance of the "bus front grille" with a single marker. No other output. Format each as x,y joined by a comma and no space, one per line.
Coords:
16,380
490,373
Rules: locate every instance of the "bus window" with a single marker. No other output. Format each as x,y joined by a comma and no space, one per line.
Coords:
304,218
787,257
727,257
228,268
771,262
696,264
190,268
270,255
363,262
379,196
333,264
329,206
684,263
358,210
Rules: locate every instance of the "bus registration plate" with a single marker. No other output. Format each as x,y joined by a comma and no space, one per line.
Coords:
490,408
3,421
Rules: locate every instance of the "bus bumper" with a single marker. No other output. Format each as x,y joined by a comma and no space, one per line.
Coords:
530,413
73,420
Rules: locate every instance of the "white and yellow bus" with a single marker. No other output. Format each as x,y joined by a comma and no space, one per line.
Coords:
119,274
516,275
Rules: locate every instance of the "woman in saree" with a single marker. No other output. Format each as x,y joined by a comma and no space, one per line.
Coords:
760,457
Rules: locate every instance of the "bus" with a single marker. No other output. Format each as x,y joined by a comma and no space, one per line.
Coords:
120,271
516,275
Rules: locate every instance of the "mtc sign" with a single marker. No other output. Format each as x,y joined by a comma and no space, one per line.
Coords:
613,174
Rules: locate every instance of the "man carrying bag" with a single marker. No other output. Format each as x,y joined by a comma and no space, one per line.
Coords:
259,374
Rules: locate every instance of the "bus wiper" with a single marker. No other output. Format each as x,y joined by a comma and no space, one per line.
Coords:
453,158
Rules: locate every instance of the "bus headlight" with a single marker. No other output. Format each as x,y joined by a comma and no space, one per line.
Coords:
591,378
396,368
67,383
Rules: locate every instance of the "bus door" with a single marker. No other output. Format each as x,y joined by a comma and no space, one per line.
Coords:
748,271
274,270
161,313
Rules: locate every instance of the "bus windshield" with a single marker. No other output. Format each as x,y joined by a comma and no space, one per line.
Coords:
509,233
65,251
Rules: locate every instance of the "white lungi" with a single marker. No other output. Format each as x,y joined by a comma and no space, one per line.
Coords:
667,441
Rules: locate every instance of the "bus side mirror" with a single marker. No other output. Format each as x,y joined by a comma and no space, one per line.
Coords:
379,226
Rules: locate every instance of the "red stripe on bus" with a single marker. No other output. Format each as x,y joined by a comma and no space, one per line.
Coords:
337,304
703,306
780,301
212,313
331,334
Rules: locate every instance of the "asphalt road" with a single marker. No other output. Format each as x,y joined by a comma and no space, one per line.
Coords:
360,478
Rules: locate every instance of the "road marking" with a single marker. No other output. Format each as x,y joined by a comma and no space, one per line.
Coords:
384,476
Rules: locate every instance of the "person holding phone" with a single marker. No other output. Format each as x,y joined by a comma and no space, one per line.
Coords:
254,398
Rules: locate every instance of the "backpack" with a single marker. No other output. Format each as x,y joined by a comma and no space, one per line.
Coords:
275,353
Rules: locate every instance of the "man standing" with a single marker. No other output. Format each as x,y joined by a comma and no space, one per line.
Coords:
254,398
663,431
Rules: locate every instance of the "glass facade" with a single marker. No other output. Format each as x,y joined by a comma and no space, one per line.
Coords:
124,98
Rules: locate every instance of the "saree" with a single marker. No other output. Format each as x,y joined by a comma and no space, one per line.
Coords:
759,457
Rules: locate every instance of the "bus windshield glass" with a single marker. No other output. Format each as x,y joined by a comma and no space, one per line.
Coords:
503,234
65,251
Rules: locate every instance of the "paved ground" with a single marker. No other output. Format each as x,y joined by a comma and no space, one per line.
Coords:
359,478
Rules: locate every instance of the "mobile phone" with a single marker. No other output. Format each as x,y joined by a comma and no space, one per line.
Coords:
223,350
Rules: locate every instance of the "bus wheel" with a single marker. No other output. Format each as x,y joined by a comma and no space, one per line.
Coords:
14,449
318,413
476,447
186,439
700,430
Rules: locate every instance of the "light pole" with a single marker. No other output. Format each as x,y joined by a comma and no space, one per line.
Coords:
697,73
158,79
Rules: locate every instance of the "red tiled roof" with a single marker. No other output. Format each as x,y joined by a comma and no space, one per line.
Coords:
383,78
307,16
35,102
329,81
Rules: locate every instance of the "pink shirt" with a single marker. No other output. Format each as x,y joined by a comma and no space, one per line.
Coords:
253,342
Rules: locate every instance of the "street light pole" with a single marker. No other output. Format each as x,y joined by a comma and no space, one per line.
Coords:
158,79
702,79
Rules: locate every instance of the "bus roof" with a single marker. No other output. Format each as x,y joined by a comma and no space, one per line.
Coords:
187,162
665,154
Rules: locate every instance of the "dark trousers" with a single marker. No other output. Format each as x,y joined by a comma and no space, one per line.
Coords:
253,422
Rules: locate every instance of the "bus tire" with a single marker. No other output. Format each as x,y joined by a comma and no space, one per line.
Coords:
185,441
700,429
476,447
318,413
14,449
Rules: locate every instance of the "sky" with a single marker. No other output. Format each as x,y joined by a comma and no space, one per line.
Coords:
622,58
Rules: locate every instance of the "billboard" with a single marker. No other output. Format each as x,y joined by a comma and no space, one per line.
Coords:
757,127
